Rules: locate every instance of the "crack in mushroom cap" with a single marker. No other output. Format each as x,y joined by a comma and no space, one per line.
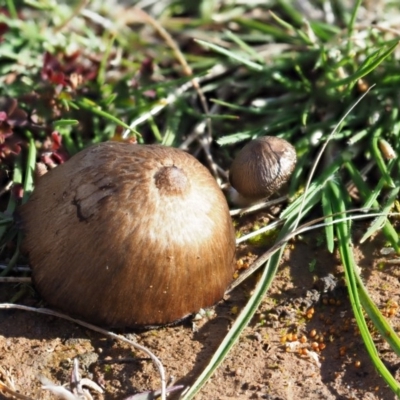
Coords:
262,167
127,235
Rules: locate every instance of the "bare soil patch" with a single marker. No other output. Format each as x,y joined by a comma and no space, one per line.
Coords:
306,310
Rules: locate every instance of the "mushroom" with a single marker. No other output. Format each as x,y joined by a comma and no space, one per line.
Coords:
260,169
129,235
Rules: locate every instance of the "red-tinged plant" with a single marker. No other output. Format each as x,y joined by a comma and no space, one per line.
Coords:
53,154
68,70
3,25
11,116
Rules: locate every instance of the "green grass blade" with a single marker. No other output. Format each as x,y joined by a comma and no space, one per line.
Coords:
377,318
267,29
244,46
384,170
61,123
291,213
369,65
350,26
347,257
381,222
232,56
371,201
29,171
101,75
239,325
12,202
357,179
327,210
373,196
11,9
290,27
95,109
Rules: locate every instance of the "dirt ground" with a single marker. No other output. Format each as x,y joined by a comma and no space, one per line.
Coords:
302,344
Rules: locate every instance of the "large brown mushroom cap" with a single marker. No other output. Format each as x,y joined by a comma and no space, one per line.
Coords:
262,167
125,235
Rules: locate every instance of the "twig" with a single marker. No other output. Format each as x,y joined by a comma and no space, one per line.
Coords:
9,387
13,393
258,206
205,142
264,229
132,15
303,228
99,19
15,279
171,98
17,268
95,328
6,188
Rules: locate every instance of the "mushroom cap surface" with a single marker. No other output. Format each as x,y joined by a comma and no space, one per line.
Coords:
128,235
262,167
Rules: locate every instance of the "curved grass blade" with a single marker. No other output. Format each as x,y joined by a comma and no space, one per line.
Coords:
29,170
382,222
95,109
347,257
244,46
290,27
377,318
327,209
239,325
370,64
233,56
385,170
350,26
313,196
371,196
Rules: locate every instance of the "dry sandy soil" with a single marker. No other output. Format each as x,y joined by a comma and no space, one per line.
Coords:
305,309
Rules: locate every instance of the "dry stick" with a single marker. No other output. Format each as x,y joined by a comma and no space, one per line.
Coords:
394,261
384,29
198,134
162,103
13,393
16,268
264,229
100,20
158,108
6,188
180,57
186,70
257,207
303,228
95,328
257,264
12,279
205,142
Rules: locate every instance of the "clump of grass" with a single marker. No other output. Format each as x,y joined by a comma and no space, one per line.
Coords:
88,73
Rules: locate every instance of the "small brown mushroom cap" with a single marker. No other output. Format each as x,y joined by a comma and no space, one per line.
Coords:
262,167
126,235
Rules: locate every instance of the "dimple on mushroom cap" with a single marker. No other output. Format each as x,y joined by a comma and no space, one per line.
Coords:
126,235
262,167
